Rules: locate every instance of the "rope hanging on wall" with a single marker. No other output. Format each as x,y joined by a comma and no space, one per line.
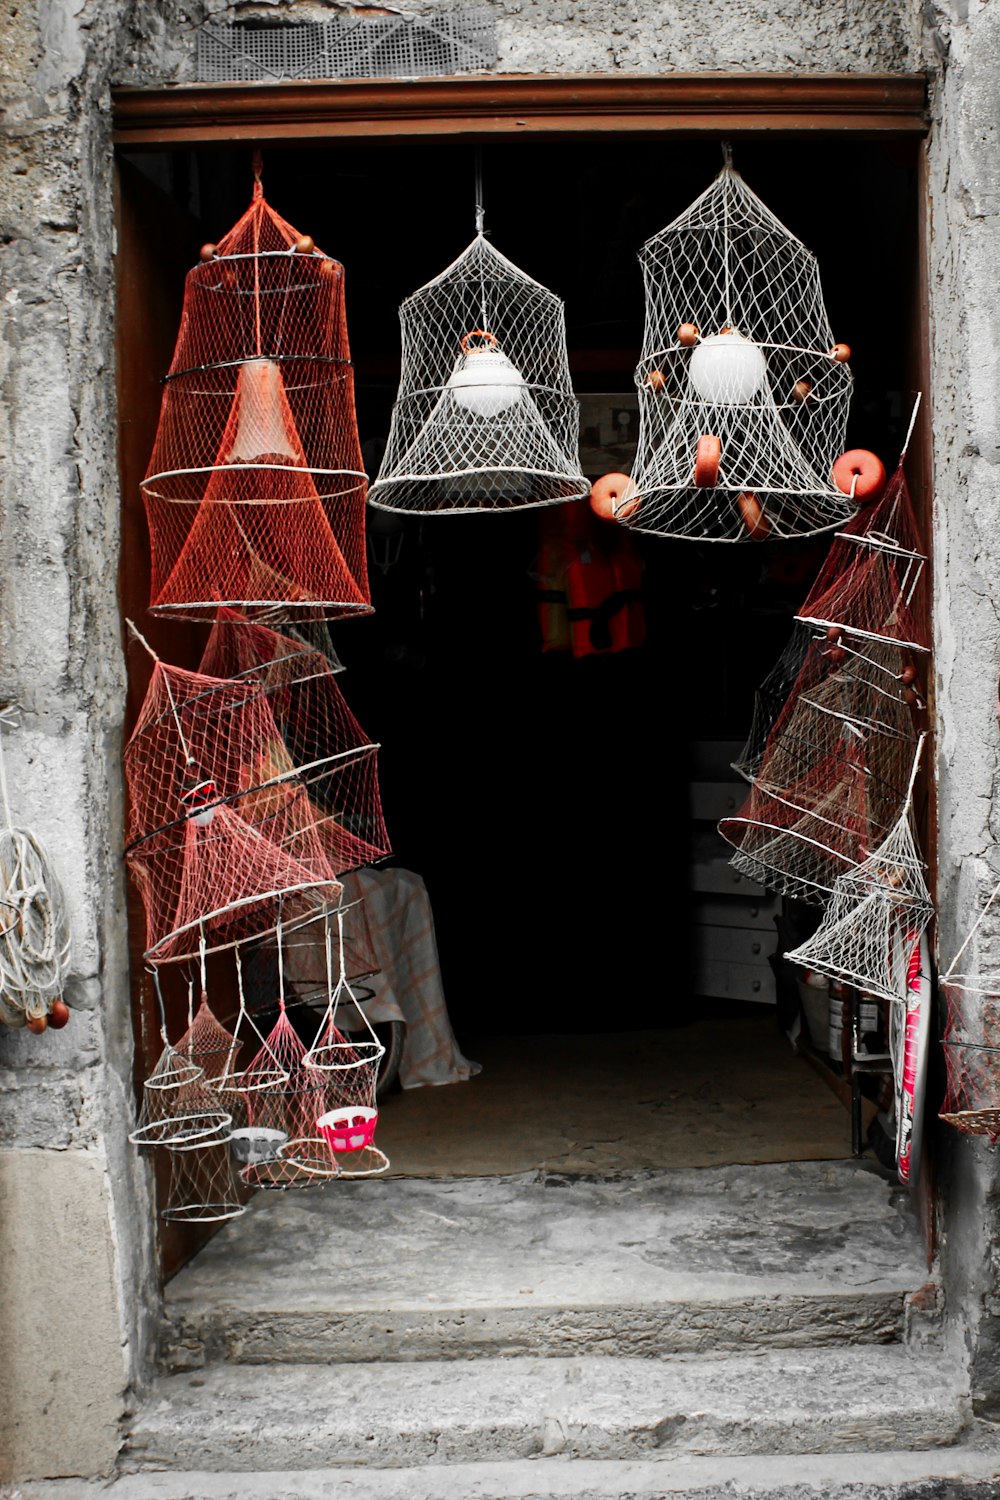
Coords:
255,489
485,417
743,394
35,938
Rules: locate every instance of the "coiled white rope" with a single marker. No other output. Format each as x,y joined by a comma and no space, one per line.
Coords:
35,939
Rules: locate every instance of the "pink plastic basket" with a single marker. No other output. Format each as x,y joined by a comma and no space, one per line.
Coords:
349,1128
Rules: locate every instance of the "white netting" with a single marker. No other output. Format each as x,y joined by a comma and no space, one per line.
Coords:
971,1040
833,776
770,698
743,395
485,416
203,1187
875,916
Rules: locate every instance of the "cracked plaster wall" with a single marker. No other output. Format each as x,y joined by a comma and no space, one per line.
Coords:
76,1266
964,272
73,1190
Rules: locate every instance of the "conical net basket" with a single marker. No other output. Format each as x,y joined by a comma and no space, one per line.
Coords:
485,417
743,395
255,488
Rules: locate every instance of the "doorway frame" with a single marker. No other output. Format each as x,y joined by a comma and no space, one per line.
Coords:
483,107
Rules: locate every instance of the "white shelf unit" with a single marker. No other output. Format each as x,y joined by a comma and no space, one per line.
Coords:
734,931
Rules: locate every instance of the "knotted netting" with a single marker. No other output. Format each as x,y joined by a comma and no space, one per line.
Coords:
770,698
203,1187
179,1107
875,916
833,776
223,835
285,1098
255,488
743,395
485,417
873,582
330,751
350,1069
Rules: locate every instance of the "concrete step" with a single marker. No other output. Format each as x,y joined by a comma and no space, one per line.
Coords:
657,1263
244,1418
964,1472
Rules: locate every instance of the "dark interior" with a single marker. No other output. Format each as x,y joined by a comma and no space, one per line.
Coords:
544,798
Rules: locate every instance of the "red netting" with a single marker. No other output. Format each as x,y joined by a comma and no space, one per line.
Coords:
223,837
873,582
330,751
255,490
833,776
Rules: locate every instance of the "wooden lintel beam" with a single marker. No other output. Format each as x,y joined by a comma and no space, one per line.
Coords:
512,104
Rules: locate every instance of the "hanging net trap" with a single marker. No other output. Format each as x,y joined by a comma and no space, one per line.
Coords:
255,489
224,838
485,417
743,394
322,739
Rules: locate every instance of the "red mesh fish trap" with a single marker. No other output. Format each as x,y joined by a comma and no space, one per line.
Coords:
833,775
873,583
324,741
222,833
255,490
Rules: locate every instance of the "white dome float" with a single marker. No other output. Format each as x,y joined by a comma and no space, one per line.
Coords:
485,417
743,393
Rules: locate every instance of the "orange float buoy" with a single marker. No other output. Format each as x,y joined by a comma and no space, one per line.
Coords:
605,494
687,335
656,380
752,515
208,252
708,456
908,675
58,1015
305,244
801,389
37,1024
862,471
841,353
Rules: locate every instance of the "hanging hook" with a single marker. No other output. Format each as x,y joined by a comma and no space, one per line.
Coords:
480,211
727,155
258,170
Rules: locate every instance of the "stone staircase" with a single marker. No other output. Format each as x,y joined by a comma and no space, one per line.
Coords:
671,1332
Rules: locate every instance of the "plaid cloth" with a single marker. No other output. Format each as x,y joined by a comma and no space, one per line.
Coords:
408,986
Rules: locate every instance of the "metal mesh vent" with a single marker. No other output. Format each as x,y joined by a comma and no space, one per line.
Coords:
393,46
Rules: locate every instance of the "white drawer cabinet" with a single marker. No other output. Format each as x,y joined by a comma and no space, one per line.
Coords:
734,932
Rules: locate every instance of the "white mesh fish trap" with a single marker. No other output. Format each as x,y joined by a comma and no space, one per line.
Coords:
743,395
875,916
485,417
770,698
833,775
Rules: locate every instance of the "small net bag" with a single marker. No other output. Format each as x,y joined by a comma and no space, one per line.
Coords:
330,751
875,917
285,1098
179,1108
832,778
873,583
255,489
223,836
485,417
743,396
203,1186
350,1069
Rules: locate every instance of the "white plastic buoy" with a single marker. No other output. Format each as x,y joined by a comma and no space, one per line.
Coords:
727,369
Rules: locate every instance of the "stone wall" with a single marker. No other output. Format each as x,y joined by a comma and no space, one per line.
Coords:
964,270
76,1278
74,1199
